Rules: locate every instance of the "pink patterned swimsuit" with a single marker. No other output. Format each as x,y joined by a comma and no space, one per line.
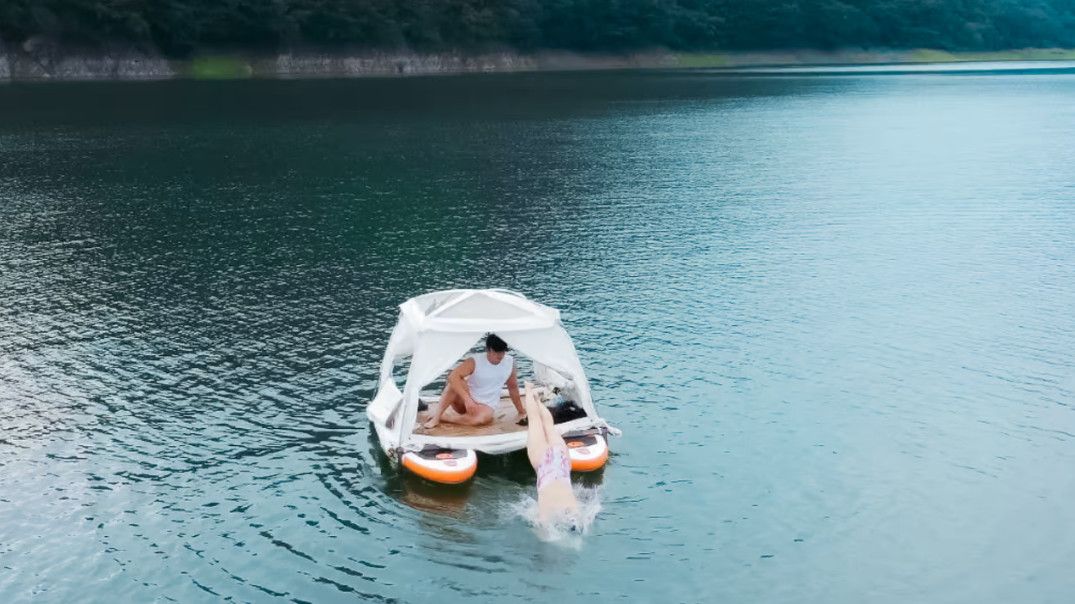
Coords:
555,465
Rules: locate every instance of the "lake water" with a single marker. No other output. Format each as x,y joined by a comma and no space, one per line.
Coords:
834,316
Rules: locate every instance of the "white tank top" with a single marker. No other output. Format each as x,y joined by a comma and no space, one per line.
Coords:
488,379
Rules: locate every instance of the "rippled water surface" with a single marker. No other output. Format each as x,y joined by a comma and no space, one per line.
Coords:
833,316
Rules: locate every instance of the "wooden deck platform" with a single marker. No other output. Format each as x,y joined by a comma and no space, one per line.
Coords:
505,420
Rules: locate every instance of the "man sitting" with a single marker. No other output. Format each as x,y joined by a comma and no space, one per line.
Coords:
473,391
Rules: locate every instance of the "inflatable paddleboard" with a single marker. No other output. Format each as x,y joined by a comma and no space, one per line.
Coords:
446,466
588,452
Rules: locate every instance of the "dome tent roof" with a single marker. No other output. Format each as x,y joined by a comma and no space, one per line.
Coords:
437,328
485,310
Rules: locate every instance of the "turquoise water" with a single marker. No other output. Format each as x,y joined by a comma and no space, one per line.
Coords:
832,315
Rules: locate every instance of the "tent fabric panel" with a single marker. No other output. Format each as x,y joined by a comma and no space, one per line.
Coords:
486,309
550,377
429,303
483,326
554,349
481,307
400,345
385,403
434,354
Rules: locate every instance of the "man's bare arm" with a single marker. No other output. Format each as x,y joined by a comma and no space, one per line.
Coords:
513,392
458,381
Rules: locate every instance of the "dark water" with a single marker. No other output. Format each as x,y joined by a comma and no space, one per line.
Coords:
832,314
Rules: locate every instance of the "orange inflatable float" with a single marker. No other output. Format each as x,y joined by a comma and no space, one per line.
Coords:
446,466
588,452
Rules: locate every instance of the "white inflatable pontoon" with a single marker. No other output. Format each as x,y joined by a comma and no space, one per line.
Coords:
434,331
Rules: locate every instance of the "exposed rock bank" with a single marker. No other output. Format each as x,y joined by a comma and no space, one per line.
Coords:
37,59
44,62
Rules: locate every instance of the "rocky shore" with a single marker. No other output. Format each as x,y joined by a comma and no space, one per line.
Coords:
30,63
36,61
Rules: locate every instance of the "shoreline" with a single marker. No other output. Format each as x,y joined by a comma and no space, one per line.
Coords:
29,64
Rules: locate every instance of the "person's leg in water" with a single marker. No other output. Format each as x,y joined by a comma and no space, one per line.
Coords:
552,436
556,501
548,454
535,429
556,444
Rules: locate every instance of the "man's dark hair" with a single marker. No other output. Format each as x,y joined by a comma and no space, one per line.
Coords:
494,343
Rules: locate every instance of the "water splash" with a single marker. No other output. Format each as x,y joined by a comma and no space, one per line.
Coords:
589,498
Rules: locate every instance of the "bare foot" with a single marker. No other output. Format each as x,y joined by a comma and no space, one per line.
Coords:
429,425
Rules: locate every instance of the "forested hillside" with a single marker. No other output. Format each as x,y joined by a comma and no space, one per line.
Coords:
182,27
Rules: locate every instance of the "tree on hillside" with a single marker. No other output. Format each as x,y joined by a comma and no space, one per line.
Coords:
183,27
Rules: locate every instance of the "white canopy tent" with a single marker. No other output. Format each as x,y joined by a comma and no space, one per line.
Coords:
436,329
